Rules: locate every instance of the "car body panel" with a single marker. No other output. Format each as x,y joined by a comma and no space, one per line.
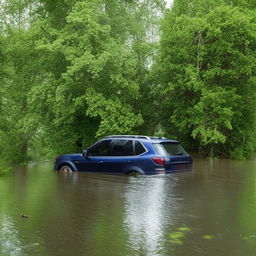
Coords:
141,163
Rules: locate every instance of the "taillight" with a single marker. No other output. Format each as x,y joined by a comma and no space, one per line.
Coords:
159,160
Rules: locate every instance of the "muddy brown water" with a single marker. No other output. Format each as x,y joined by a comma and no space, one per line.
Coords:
208,211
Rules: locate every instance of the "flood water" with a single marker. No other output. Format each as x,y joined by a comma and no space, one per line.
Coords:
208,211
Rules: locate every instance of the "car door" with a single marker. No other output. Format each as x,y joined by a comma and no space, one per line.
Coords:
120,157
95,158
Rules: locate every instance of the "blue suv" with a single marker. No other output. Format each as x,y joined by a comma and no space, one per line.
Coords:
128,154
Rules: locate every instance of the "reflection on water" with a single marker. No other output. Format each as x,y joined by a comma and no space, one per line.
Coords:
11,240
9,243
145,214
209,211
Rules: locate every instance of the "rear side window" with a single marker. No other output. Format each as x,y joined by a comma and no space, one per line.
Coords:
121,148
139,149
102,148
169,149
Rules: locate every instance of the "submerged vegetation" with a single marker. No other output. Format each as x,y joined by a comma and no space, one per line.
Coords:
4,169
74,71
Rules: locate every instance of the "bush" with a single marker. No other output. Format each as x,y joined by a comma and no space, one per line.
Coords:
4,169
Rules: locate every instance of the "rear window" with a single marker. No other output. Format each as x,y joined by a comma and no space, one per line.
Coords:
139,149
169,149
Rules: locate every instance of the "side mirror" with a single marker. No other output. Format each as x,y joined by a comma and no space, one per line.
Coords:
84,153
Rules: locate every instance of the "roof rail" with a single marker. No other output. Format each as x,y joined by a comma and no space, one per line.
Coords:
155,137
129,136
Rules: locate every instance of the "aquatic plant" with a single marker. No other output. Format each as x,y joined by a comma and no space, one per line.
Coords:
177,236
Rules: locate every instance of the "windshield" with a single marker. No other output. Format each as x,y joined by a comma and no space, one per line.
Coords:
169,149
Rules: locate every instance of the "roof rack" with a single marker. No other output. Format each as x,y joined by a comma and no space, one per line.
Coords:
129,136
135,137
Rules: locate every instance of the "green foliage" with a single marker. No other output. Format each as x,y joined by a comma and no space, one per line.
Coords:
16,80
206,69
116,118
74,71
4,169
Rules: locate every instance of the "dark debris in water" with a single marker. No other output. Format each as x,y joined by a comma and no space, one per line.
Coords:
24,216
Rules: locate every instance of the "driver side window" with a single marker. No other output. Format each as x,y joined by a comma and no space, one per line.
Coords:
102,148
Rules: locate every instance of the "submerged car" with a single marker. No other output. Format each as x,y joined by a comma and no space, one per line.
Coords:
128,154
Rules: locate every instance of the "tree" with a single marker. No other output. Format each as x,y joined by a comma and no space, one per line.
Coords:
93,65
72,71
207,67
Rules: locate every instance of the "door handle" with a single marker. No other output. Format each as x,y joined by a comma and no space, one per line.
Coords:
100,162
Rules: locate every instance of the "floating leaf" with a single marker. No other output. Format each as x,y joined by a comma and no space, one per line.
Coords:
184,229
176,241
249,237
208,237
176,235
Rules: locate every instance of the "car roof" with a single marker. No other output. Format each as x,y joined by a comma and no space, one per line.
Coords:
142,138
